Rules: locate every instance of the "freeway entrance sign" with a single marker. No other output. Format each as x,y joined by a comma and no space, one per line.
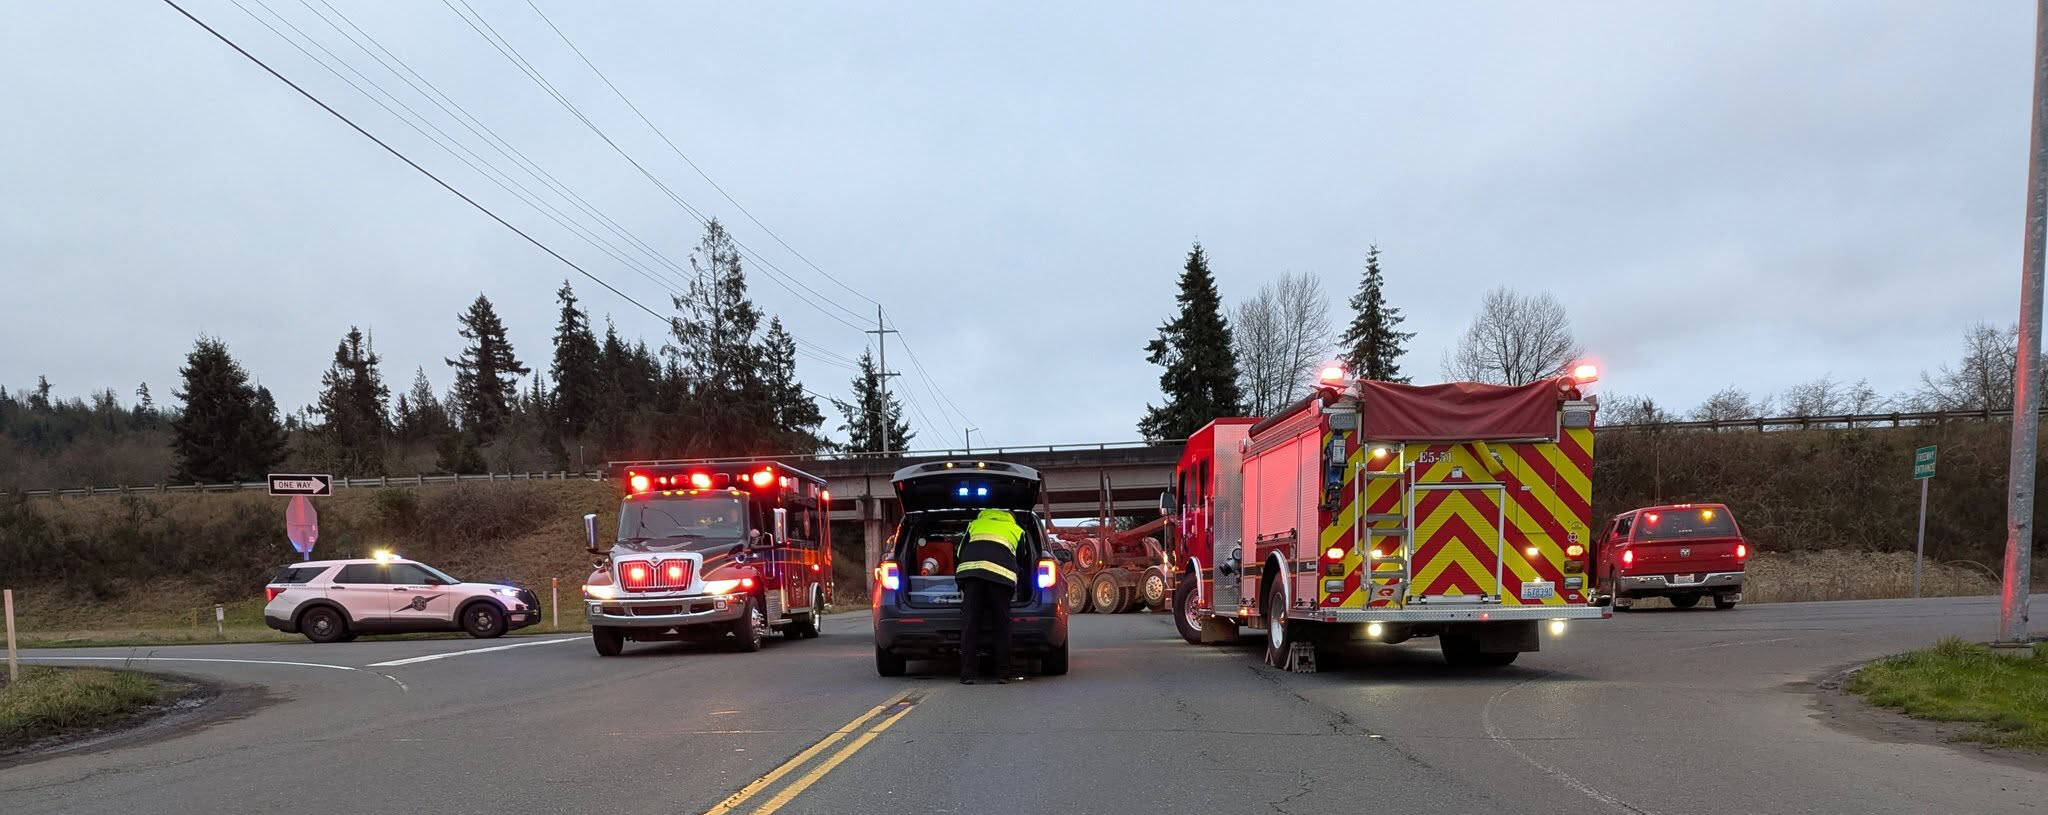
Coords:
314,485
1923,462
1923,471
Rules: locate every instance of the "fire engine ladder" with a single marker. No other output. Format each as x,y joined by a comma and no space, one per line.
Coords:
1361,519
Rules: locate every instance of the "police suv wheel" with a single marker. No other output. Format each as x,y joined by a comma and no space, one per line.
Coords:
890,664
483,620
1054,663
322,624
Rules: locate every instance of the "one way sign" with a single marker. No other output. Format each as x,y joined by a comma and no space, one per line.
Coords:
313,485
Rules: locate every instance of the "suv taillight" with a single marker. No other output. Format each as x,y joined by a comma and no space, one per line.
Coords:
1048,572
271,592
891,575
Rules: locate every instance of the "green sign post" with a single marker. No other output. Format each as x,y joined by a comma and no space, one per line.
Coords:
1923,472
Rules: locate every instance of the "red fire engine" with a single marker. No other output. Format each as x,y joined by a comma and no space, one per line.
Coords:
1380,512
721,551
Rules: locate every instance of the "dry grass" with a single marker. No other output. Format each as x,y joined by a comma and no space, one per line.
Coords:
1851,575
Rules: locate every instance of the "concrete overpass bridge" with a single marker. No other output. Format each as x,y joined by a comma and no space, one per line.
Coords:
862,492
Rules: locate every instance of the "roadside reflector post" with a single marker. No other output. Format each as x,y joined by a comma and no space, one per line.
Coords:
555,603
220,620
1923,472
13,660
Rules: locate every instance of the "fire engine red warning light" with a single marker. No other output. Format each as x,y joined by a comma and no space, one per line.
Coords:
1585,372
639,482
764,478
675,572
700,481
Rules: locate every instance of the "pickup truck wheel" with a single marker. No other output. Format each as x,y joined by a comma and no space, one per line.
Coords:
1055,663
1275,609
610,642
751,630
1684,600
323,625
890,664
1186,617
1724,601
483,620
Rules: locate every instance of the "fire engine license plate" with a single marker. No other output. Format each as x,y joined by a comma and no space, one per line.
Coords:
1538,589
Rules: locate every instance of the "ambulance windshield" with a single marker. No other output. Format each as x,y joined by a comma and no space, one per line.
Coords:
705,516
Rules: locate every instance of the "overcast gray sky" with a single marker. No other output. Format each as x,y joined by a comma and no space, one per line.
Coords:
1721,193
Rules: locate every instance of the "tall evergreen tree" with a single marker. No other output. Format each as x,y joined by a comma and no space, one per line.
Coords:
1200,380
487,374
714,337
228,429
797,417
1374,340
578,381
872,423
353,425
421,416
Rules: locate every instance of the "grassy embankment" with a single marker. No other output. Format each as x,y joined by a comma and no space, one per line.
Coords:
148,569
2004,695
52,701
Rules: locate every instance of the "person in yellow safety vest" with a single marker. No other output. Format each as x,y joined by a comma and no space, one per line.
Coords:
987,575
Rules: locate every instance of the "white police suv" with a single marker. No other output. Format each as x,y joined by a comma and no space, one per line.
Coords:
336,600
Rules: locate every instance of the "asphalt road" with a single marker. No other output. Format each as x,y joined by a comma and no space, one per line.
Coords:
1664,712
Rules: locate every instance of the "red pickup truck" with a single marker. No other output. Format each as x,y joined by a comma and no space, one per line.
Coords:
1680,552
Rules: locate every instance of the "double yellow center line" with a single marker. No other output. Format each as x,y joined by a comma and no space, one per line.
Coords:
891,710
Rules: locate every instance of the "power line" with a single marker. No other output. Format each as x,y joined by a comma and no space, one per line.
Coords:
416,166
686,159
511,53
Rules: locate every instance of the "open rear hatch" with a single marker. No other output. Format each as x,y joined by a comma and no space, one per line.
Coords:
939,498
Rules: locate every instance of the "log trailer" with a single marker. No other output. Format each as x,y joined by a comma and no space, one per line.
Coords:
1379,512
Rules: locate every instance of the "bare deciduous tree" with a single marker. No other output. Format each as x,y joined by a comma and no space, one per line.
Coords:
1514,340
1981,380
1282,336
1730,403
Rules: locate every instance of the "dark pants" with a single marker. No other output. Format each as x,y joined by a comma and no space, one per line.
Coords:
984,603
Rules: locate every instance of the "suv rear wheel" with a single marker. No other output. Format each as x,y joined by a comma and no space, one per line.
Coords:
888,663
1054,663
323,625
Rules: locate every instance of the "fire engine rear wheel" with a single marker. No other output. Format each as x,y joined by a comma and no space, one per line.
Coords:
1074,593
322,624
1155,590
890,664
1108,597
1186,617
1275,609
1725,601
751,629
483,620
1684,600
610,642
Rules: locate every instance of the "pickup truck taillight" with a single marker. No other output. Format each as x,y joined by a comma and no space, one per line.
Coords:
1628,557
271,592
1741,551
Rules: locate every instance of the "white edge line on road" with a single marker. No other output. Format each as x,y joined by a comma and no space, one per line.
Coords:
431,657
401,685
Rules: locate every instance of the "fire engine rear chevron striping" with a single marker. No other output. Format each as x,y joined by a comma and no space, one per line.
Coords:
1458,511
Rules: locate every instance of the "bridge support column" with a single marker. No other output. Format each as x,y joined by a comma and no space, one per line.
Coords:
872,533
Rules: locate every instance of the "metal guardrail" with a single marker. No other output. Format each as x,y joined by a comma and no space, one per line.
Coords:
1844,421
892,455
339,482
